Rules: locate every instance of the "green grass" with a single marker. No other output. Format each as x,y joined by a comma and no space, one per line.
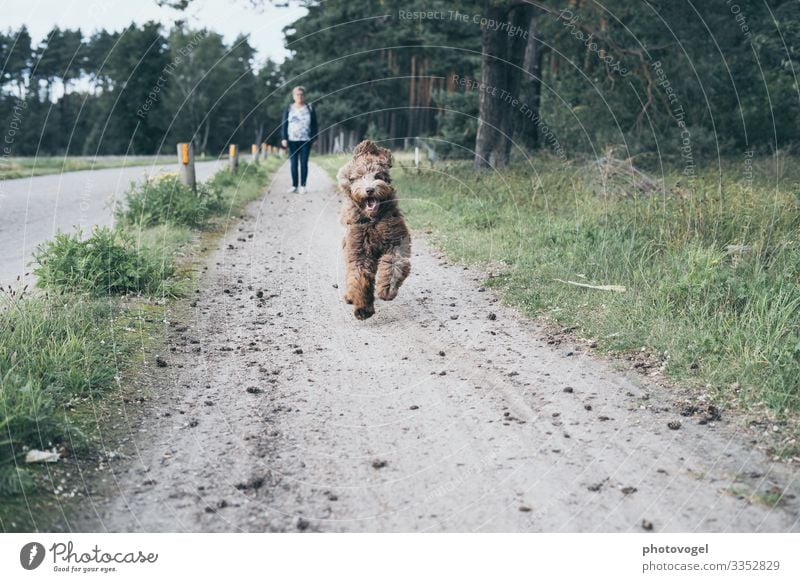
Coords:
11,168
331,163
246,185
63,350
54,352
713,315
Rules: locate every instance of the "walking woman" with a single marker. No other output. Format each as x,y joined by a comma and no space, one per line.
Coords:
299,130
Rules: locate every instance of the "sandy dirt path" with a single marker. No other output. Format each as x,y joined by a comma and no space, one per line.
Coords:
446,411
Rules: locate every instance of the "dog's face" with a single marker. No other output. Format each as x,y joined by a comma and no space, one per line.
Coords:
369,187
365,179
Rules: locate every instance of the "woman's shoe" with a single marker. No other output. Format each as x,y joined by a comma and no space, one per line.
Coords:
292,190
303,190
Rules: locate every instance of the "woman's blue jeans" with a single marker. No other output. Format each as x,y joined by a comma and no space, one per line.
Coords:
298,155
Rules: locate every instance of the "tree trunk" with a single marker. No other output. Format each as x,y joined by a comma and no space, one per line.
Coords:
532,83
493,80
511,118
204,142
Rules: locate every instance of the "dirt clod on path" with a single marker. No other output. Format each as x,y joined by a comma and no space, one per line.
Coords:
411,420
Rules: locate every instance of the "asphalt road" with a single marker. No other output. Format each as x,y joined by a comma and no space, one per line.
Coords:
33,209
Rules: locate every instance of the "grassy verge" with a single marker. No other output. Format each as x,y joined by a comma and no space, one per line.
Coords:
11,168
712,278
69,354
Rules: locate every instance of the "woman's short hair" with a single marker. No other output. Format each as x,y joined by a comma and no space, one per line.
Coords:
300,88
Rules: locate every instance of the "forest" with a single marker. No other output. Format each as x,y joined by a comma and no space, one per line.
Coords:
680,82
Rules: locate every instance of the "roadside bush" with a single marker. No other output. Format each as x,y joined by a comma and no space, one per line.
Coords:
223,179
163,199
106,263
244,186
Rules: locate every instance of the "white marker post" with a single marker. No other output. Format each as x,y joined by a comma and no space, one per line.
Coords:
233,157
416,158
186,161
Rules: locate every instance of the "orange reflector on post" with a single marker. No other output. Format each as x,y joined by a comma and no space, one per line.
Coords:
254,149
232,150
185,154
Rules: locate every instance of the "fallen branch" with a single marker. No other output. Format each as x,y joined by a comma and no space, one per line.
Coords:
619,177
615,288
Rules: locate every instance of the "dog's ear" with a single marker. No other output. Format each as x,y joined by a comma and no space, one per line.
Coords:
343,178
366,147
385,156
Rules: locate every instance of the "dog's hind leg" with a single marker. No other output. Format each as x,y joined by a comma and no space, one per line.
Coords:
393,269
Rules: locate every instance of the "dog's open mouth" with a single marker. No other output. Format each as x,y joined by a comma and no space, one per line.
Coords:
371,204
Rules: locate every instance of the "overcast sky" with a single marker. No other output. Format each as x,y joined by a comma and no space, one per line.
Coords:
228,17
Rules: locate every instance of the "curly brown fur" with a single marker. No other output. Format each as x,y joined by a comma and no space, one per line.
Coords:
377,241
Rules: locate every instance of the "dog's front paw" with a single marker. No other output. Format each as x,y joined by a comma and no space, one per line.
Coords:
387,293
364,312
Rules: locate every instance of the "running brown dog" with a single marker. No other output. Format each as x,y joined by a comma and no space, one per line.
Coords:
377,239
